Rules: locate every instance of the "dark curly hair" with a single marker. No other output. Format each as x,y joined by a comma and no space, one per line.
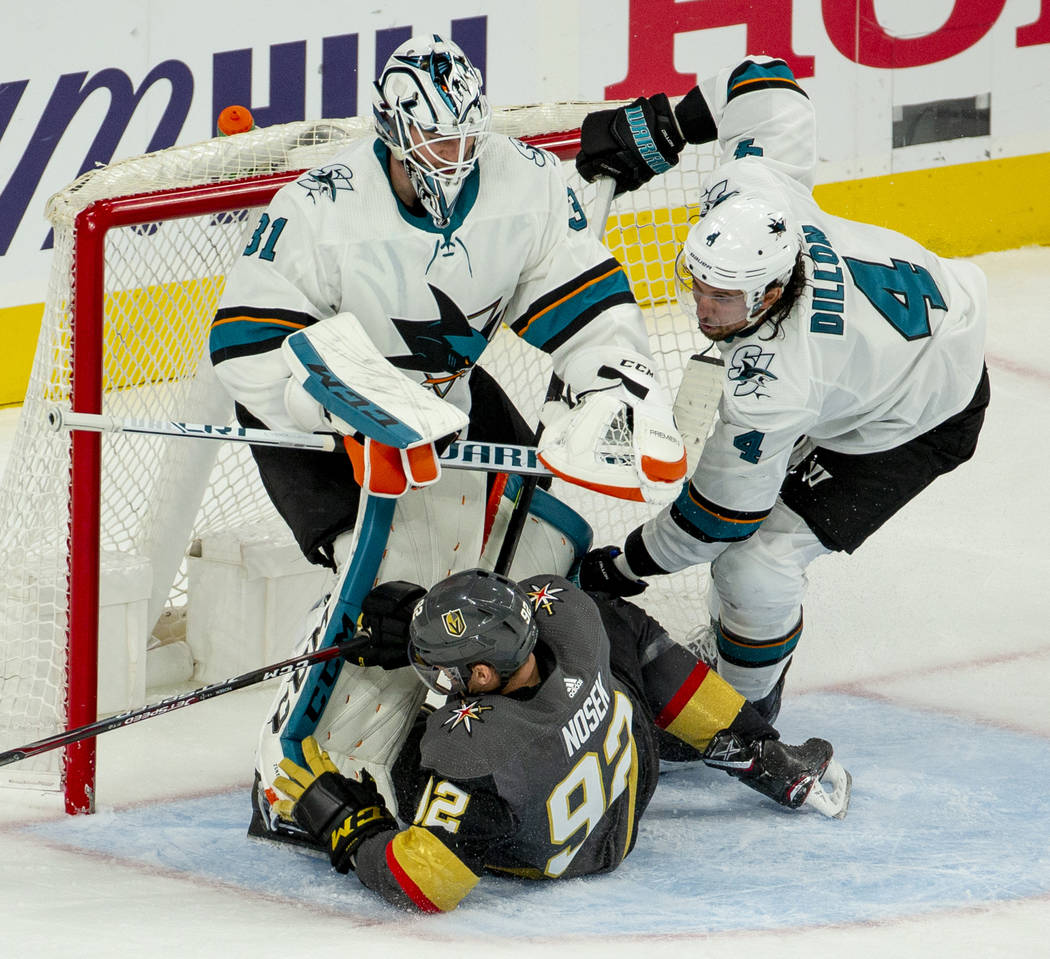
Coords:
779,311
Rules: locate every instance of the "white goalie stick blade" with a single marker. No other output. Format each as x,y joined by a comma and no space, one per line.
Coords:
696,404
830,794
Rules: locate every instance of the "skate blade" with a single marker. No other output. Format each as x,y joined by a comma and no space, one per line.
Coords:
831,793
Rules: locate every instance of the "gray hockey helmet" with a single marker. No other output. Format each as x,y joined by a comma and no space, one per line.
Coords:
470,617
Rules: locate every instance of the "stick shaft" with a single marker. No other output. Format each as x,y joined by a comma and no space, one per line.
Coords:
496,457
172,703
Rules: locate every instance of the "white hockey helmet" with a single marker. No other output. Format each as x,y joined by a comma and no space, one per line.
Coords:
429,109
745,242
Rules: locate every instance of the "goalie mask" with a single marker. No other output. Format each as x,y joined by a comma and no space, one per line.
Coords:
741,246
430,111
470,617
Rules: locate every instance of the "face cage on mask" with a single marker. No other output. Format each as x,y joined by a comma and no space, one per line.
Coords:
436,181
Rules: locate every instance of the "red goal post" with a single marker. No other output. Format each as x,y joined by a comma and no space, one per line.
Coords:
100,528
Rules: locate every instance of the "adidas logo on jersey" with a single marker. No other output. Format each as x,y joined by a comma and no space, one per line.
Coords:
573,686
587,718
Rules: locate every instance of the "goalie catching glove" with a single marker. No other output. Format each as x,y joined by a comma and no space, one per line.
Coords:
339,812
620,437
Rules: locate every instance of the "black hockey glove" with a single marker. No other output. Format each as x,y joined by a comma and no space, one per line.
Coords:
339,812
382,637
597,573
631,144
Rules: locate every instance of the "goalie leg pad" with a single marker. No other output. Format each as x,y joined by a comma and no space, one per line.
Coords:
553,538
361,716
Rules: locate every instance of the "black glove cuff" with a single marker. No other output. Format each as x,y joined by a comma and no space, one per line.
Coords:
597,573
359,825
638,557
695,119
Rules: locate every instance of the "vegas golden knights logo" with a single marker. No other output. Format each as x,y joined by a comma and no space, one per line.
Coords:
454,623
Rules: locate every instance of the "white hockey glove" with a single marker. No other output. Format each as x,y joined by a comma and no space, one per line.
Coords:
620,438
342,382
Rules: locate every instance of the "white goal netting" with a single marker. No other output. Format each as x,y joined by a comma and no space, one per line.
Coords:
148,241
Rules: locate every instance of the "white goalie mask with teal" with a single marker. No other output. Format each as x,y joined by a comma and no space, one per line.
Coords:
743,243
430,111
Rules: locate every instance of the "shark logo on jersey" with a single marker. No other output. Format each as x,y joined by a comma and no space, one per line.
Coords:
543,596
714,195
540,157
445,348
749,370
326,181
465,714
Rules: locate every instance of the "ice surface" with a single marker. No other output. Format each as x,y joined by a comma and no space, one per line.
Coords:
926,661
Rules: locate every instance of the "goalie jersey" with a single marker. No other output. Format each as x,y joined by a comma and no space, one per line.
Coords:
517,249
885,341
545,782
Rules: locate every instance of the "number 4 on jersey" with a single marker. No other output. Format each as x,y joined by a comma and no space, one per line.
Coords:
903,293
750,445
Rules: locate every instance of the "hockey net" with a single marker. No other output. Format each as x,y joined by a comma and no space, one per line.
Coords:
100,528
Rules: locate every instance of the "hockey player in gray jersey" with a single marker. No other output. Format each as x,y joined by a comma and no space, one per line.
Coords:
544,756
853,364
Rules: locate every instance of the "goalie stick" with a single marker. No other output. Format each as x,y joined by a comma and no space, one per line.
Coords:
467,455
127,718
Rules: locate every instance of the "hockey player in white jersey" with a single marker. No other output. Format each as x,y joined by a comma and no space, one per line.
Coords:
401,258
853,364
364,299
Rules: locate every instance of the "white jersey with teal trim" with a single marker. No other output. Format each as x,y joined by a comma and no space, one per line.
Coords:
885,342
517,249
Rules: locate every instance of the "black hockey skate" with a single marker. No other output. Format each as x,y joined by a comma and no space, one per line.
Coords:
789,775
